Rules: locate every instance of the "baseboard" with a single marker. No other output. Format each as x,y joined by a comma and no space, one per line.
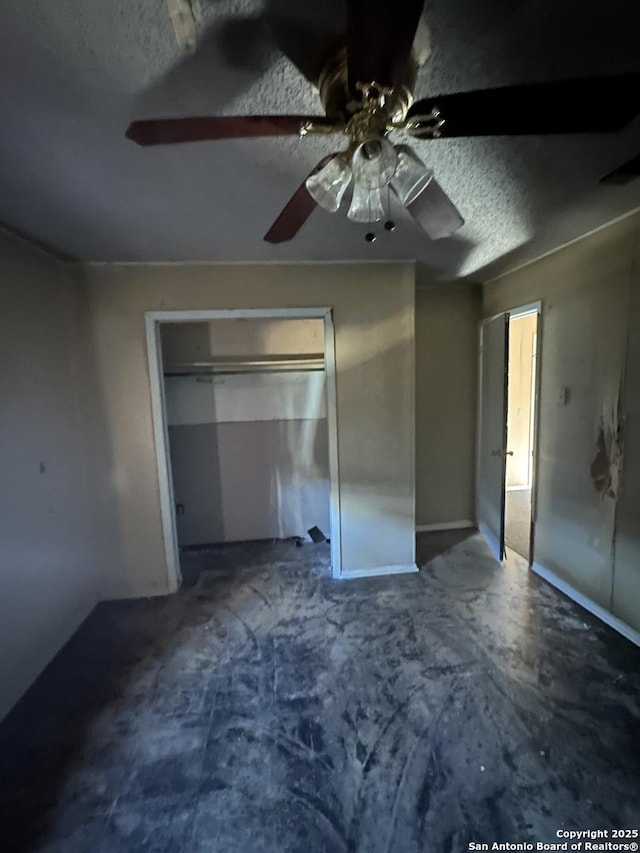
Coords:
378,571
122,593
444,525
596,609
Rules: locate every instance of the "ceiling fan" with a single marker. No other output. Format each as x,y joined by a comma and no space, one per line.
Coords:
367,94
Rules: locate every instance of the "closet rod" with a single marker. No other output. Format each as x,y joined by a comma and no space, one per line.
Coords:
230,367
243,372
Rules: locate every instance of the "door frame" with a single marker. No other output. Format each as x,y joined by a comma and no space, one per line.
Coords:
512,313
487,533
521,311
152,320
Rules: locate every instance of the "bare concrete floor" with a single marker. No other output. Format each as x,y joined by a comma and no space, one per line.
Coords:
271,708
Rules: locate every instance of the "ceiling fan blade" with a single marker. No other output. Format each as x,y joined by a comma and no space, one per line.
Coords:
172,130
296,212
624,174
379,39
569,106
435,213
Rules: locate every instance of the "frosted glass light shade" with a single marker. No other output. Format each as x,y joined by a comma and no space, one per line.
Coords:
366,204
328,185
411,175
374,162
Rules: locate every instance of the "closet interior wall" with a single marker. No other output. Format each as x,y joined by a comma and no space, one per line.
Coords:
246,414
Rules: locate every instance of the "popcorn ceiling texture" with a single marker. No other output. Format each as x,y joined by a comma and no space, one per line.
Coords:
76,73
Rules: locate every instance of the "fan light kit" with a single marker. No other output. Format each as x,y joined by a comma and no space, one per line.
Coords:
372,164
367,93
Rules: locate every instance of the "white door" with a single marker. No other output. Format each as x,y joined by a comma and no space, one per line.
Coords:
492,431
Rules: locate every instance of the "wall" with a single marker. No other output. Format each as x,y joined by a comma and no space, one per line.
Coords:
189,343
249,480
55,503
249,455
447,321
584,346
373,307
249,451
522,333
626,589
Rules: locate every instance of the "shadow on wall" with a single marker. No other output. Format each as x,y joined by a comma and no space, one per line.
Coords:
300,484
197,488
195,456
102,470
104,473
250,480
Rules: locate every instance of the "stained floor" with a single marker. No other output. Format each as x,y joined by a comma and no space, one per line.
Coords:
271,708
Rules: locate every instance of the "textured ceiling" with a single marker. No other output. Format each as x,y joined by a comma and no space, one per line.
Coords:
77,71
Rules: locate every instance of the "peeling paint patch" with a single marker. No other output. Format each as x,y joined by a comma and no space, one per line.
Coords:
606,468
184,15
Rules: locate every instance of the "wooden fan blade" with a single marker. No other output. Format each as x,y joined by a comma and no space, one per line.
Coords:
296,212
380,35
570,106
171,130
435,213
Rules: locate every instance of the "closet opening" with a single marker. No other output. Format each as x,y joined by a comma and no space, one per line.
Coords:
248,428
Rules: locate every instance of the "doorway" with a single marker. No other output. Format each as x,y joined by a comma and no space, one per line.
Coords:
523,339
245,426
507,427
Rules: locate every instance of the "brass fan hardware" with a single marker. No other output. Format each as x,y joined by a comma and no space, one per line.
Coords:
377,111
311,126
426,127
339,102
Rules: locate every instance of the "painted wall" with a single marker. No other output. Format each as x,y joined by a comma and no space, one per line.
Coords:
55,504
249,455
251,396
626,587
447,321
249,451
373,308
589,292
250,480
522,333
188,343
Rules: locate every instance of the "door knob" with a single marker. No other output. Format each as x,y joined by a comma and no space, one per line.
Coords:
501,452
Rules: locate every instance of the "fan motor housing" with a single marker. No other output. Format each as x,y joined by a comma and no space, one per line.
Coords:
340,104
